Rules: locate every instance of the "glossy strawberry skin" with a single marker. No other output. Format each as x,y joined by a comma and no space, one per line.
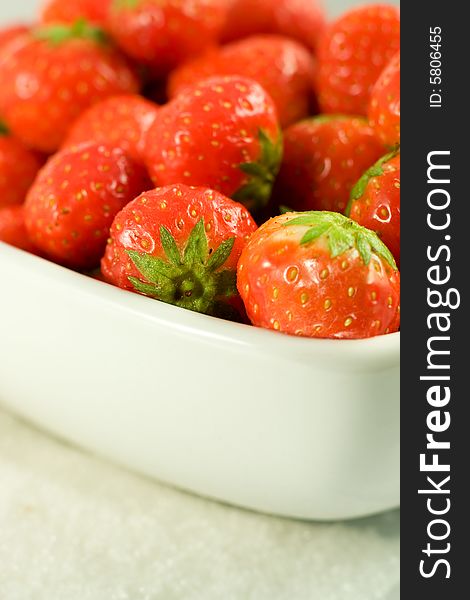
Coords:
8,34
384,107
375,202
218,134
301,20
323,159
122,121
352,54
283,67
300,289
60,11
18,169
164,33
47,85
13,230
179,209
70,207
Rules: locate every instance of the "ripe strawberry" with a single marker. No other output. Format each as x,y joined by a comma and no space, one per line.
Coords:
8,34
69,11
181,245
302,20
121,121
13,230
284,68
384,107
352,54
71,206
319,274
18,168
164,33
222,133
52,75
323,159
375,201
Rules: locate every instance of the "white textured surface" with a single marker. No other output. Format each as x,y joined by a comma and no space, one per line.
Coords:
75,528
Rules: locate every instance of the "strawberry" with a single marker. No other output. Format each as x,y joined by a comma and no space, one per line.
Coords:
284,68
181,245
302,20
352,54
52,75
384,107
18,168
319,274
69,11
121,121
164,33
13,230
375,201
70,207
323,159
8,34
222,133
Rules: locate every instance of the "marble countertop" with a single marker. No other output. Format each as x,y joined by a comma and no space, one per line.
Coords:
74,527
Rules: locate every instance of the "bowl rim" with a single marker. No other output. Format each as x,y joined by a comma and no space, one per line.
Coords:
376,352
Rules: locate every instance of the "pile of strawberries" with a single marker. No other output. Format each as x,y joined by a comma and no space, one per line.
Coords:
238,158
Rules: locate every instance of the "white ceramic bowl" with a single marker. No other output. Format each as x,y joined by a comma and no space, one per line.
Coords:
297,427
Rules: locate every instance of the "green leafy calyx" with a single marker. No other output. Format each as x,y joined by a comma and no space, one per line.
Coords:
375,171
341,234
122,4
193,279
3,129
255,193
333,117
81,29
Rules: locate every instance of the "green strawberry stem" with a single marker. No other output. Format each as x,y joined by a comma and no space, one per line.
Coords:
256,192
3,129
342,234
80,29
193,279
375,171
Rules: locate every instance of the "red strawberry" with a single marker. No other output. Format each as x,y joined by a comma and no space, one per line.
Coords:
52,75
18,168
302,20
69,11
181,245
9,34
323,159
352,54
13,230
283,67
223,134
164,33
319,274
384,107
121,121
375,201
75,198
